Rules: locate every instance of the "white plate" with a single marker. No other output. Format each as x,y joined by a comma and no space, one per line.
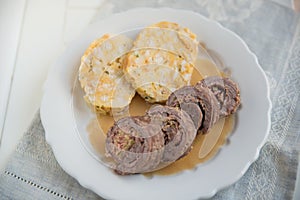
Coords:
227,167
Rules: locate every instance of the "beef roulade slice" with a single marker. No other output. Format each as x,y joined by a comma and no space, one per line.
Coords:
178,130
226,92
135,145
186,98
146,143
204,99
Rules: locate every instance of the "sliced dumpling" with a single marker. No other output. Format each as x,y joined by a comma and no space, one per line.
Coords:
161,60
101,75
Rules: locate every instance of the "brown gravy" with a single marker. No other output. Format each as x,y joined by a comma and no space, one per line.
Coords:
192,159
98,127
204,147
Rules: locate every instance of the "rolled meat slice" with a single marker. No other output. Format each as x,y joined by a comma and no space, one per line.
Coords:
202,97
187,99
226,92
135,145
210,109
178,130
146,143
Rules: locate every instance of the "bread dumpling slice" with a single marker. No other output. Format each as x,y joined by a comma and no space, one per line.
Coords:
161,60
101,75
171,37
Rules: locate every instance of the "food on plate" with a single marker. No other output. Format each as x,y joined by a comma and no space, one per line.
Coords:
158,64
161,60
203,98
135,145
169,36
194,112
143,143
177,128
216,97
156,73
226,92
101,74
184,98
165,133
209,108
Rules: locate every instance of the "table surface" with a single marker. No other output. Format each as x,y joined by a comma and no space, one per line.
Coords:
32,27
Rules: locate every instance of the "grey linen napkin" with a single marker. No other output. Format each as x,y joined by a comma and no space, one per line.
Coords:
272,31
33,173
